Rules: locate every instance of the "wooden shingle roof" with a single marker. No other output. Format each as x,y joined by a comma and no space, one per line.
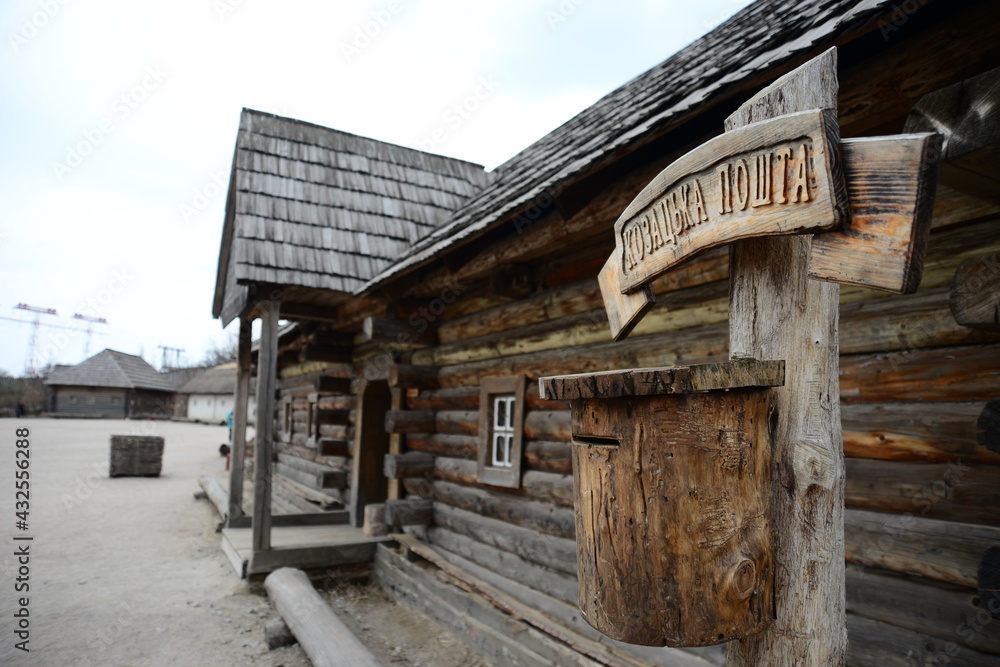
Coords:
716,67
111,368
313,207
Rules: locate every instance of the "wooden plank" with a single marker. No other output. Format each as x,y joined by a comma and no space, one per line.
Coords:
408,512
406,375
241,398
939,610
929,432
953,490
776,312
738,374
410,464
396,332
321,634
267,364
604,654
711,196
947,551
890,184
334,479
409,421
332,355
874,643
975,293
624,310
314,557
967,373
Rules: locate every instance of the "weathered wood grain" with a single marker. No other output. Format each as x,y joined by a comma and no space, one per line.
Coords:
409,421
777,312
872,643
624,310
890,185
673,533
267,364
975,293
408,512
738,374
410,464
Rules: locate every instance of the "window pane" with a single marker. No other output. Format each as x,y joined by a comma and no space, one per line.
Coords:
498,450
500,412
508,442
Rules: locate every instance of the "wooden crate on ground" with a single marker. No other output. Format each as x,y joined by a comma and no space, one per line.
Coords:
136,455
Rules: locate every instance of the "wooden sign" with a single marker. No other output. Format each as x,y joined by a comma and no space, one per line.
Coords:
776,177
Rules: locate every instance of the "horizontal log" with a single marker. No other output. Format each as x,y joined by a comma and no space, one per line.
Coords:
331,479
408,512
406,375
410,464
548,425
215,494
336,417
951,490
948,374
396,332
871,642
409,421
946,551
328,499
461,422
331,355
556,553
535,485
938,610
333,447
737,374
932,432
548,456
332,339
338,402
321,634
974,298
452,398
445,444
507,564
540,516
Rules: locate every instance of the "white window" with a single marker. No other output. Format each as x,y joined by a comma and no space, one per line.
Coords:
503,430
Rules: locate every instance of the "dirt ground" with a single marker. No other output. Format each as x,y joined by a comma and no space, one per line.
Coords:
128,571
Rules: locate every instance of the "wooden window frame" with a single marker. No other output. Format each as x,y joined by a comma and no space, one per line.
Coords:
312,424
509,477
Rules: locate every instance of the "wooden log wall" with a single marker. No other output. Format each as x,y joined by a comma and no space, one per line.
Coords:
923,466
313,466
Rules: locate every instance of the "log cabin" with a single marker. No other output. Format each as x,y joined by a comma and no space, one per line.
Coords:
427,298
110,384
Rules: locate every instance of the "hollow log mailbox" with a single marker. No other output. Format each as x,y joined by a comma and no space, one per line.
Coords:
709,498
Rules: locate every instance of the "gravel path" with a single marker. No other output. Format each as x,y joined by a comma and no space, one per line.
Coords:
124,571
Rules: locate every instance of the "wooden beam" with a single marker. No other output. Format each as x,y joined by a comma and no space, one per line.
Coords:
321,634
624,310
408,512
405,375
331,355
315,475
374,523
975,293
410,464
738,374
396,333
409,421
267,367
303,311
777,312
241,398
214,492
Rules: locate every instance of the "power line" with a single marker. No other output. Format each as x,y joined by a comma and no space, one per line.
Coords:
30,369
91,321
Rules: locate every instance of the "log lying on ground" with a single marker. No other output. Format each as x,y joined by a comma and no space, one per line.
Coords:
323,636
215,493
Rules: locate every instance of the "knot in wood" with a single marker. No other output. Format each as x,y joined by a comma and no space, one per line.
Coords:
744,579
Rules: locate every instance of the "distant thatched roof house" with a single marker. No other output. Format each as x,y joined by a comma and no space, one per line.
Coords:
316,210
110,384
209,395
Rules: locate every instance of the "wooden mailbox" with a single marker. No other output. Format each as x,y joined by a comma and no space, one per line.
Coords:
709,499
671,493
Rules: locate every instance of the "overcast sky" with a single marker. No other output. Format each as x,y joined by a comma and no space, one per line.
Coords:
120,119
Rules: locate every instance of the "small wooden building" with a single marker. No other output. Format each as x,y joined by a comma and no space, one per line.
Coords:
110,384
431,353
208,396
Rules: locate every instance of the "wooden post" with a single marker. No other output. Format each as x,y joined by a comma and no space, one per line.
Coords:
776,312
267,367
240,408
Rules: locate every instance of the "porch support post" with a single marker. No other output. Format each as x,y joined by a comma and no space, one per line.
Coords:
241,399
267,367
